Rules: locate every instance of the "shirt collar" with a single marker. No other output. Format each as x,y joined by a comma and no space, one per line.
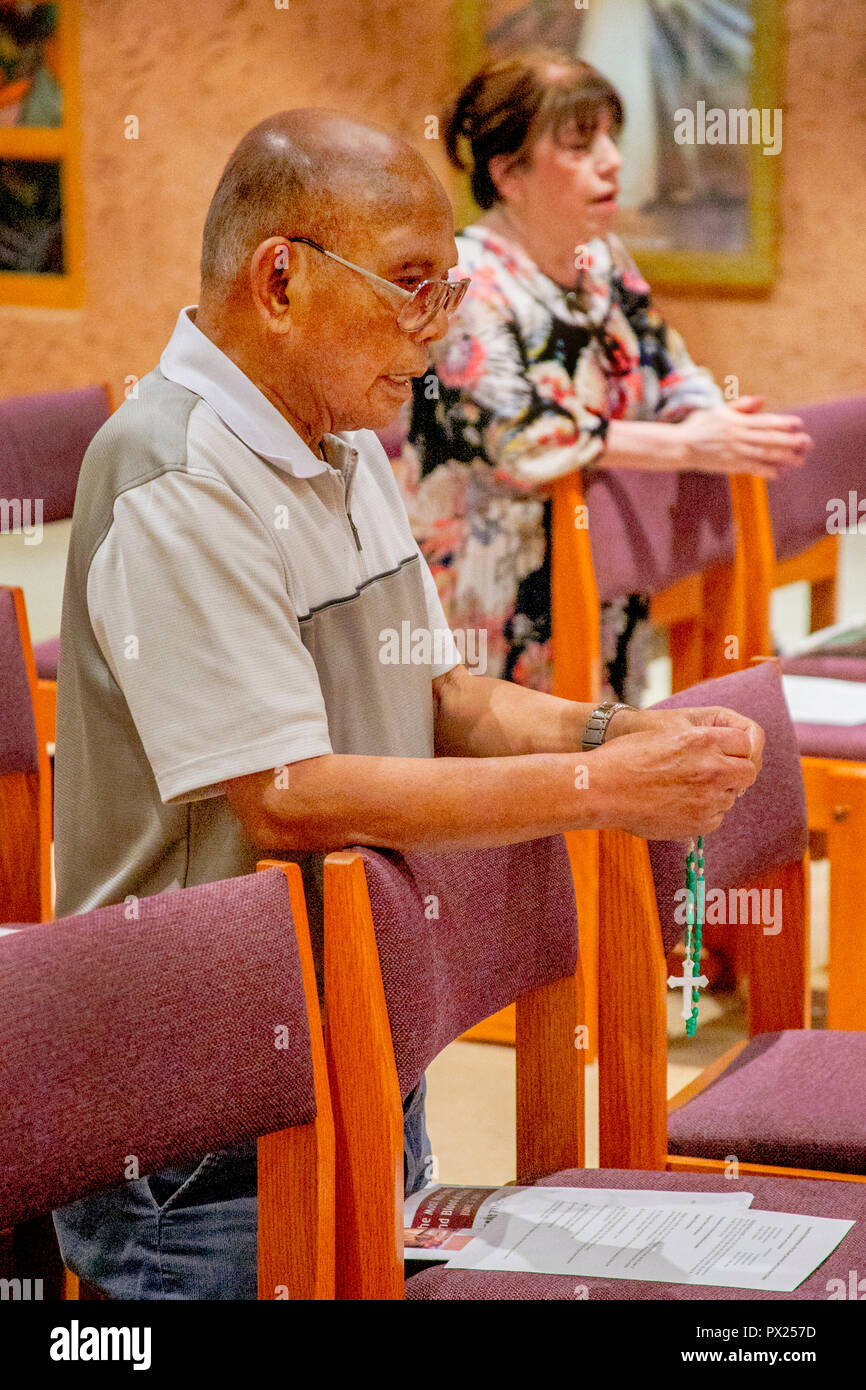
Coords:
192,360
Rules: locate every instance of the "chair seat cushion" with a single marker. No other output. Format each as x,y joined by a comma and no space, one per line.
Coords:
797,1099
829,740
47,654
845,741
811,1198
830,666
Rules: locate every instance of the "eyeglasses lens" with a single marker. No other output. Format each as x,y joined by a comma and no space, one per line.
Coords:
429,300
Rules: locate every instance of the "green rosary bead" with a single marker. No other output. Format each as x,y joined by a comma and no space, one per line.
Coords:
695,914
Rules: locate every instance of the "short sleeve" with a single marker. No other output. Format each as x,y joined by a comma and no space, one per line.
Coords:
446,652
188,599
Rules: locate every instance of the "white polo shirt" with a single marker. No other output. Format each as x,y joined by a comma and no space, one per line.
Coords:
229,606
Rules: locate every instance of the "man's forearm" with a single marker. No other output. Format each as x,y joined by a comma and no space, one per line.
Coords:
422,803
481,717
669,788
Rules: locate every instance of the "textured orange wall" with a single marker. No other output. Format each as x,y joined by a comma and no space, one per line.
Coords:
198,75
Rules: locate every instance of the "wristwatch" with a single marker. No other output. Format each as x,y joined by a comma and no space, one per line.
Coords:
596,724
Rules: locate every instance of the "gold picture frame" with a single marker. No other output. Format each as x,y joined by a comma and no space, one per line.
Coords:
705,195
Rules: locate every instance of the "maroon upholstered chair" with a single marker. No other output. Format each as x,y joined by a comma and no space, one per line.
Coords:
47,655
831,666
845,1200
798,500
834,771
782,538
416,948
43,440
25,777
846,741
650,530
458,937
788,1099
25,865
670,535
152,1033
481,930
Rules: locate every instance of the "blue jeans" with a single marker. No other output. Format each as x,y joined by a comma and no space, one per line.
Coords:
190,1233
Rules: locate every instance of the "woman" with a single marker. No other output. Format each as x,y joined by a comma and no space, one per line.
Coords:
556,360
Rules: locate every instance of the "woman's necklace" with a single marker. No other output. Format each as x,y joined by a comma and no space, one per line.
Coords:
501,222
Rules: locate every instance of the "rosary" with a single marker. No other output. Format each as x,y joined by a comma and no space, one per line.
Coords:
691,979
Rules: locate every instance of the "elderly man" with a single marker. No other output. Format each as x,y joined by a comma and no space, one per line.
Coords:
239,547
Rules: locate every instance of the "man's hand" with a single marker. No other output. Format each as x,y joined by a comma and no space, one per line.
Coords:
680,779
669,720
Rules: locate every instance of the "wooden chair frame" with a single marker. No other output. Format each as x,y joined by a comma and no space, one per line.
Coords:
26,816
368,1113
633,1108
818,566
295,1166
835,787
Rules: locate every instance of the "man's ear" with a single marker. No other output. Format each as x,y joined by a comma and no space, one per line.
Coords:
271,272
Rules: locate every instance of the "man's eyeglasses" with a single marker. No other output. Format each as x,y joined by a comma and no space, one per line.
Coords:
418,307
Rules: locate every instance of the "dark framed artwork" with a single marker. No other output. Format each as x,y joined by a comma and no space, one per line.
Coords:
40,185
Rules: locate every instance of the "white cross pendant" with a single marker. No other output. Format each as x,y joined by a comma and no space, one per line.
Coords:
687,983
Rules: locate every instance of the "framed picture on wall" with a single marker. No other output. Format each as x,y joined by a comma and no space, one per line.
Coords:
40,184
701,85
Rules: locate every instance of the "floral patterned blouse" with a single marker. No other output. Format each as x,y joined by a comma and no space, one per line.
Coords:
523,388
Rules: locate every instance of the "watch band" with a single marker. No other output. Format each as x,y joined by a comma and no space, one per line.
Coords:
596,724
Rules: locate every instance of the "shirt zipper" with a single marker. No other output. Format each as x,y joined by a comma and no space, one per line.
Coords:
352,526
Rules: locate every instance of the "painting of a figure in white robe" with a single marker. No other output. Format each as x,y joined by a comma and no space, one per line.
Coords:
687,184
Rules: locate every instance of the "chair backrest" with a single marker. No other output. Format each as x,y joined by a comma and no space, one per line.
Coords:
779,522
418,949
618,532
574,599
759,846
43,440
25,777
650,529
837,464
152,1032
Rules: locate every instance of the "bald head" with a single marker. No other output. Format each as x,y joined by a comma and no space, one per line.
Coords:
313,173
